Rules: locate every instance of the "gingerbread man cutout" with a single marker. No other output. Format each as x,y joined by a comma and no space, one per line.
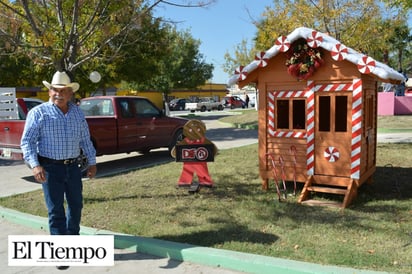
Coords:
194,132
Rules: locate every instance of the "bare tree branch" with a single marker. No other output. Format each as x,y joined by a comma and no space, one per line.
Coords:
197,4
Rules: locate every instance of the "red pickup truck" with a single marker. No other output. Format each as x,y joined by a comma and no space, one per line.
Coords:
117,124
12,129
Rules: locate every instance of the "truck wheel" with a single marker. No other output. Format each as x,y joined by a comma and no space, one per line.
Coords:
203,109
177,138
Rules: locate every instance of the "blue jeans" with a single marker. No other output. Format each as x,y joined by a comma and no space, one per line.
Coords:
63,181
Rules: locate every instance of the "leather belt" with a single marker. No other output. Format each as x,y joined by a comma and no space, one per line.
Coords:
46,160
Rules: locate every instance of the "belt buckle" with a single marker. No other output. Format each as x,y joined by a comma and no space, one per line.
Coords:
66,162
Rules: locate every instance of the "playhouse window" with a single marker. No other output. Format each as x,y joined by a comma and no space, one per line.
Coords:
299,114
336,114
324,113
291,113
341,107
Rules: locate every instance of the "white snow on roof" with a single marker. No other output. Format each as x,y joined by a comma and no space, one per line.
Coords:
314,39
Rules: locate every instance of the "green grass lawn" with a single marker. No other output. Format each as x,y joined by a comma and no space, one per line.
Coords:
395,123
374,232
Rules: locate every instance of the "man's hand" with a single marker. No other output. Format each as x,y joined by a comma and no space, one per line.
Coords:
39,174
91,171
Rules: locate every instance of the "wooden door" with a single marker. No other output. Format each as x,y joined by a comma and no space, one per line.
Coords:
333,133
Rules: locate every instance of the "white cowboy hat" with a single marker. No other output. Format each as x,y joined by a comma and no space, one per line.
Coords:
61,80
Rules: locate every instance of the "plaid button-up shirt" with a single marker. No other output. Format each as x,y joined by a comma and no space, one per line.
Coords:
51,133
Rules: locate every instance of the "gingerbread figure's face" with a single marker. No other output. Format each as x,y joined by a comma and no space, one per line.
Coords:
194,130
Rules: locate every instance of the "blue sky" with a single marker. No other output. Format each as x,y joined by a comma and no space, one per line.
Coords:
220,27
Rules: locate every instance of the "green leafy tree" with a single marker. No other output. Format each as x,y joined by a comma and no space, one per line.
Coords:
359,24
404,4
398,38
65,35
400,44
75,35
177,64
242,56
141,51
190,69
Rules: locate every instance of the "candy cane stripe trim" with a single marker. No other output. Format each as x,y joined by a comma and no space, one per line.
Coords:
333,87
356,128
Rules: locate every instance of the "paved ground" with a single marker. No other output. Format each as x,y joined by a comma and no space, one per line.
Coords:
405,137
129,261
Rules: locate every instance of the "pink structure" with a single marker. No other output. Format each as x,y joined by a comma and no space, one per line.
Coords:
389,104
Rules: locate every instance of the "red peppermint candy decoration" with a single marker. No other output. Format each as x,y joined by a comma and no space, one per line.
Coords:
242,74
262,60
283,43
366,64
331,154
315,39
339,52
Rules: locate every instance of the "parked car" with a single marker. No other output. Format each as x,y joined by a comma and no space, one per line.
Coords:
26,104
233,102
203,104
177,104
123,124
117,124
12,125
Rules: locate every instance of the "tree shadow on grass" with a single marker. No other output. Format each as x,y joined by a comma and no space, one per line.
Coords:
229,233
389,183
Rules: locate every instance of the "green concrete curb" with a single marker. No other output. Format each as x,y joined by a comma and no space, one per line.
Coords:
238,261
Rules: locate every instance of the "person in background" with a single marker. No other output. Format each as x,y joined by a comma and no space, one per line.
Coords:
247,100
54,135
400,89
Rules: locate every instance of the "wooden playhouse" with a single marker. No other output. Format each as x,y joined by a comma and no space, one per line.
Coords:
317,112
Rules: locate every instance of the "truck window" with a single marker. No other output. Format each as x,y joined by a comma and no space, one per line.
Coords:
125,108
97,107
31,104
145,109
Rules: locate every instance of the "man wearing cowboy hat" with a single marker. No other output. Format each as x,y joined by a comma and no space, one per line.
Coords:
53,136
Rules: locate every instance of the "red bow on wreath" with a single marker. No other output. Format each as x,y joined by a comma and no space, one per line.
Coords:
302,60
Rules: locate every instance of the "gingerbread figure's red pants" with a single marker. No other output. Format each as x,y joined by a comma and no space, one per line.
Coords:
201,170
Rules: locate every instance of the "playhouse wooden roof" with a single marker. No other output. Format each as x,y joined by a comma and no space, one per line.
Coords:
338,51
